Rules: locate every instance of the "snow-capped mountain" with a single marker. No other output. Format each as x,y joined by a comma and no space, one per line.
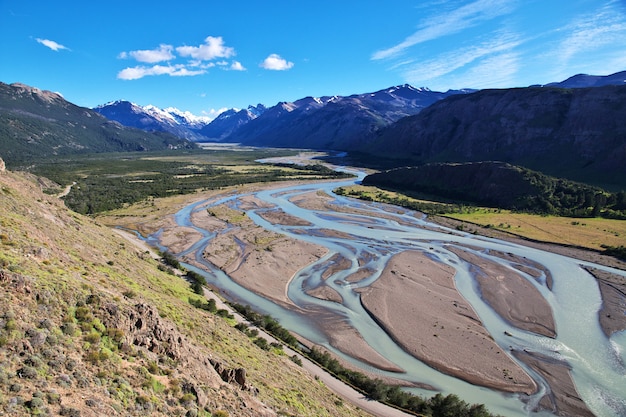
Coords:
335,122
229,121
151,118
184,118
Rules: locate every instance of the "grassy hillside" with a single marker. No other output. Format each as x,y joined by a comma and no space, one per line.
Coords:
91,325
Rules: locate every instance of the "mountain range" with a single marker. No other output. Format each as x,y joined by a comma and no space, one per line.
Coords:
573,129
36,123
324,122
229,121
355,115
585,80
335,122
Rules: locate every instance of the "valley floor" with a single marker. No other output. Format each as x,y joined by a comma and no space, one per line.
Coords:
449,338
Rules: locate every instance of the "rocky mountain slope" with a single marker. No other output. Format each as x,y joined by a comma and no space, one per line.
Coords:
578,134
91,325
36,123
338,123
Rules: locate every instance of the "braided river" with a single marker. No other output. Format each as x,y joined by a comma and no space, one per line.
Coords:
370,237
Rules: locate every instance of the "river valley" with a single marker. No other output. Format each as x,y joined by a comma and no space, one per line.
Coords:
433,308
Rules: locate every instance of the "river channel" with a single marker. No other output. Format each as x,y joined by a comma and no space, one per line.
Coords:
597,362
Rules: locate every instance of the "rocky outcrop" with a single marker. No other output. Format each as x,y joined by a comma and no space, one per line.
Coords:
143,328
235,376
2,166
18,283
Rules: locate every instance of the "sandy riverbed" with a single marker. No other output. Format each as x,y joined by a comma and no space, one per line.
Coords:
416,301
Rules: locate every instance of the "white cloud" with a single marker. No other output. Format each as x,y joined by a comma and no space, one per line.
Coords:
497,71
212,48
276,63
485,57
212,114
592,32
51,44
236,66
213,53
135,73
448,23
151,56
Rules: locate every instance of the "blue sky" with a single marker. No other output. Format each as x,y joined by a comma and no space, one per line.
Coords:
203,56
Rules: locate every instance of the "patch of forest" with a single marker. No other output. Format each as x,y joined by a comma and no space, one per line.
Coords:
108,182
501,185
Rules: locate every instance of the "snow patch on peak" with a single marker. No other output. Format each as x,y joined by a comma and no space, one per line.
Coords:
288,106
257,110
187,117
135,108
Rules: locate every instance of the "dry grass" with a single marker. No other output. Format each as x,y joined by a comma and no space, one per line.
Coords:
589,233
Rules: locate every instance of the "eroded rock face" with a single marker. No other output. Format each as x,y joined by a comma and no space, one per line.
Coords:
233,376
3,167
143,327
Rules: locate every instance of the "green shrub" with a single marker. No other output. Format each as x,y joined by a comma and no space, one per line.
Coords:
69,329
262,343
170,259
27,372
10,325
187,398
93,337
117,335
97,324
153,368
224,313
295,359
35,403
69,412
53,398
83,314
